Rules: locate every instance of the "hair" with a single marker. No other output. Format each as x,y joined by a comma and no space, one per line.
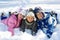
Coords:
16,16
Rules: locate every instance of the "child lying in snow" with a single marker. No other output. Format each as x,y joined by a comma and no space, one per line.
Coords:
43,23
29,23
13,22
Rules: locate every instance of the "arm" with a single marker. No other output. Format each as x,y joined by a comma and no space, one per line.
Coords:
22,26
34,29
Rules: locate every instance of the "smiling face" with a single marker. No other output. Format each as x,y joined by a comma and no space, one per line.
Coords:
30,18
20,16
39,15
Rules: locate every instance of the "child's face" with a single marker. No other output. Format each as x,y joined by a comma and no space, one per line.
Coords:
20,16
30,18
39,15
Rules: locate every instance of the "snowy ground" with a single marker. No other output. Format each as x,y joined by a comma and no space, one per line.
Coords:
7,5
5,35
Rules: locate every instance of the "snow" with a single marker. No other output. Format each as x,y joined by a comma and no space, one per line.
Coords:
19,35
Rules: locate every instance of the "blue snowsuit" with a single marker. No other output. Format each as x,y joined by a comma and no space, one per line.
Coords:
45,26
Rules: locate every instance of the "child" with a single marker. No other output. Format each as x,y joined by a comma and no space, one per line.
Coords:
39,17
13,22
29,23
43,22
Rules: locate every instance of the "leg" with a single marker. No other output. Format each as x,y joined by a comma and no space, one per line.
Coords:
11,30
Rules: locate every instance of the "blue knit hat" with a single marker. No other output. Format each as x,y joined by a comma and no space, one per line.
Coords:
36,10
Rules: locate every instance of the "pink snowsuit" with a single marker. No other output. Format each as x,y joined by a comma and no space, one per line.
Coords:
12,22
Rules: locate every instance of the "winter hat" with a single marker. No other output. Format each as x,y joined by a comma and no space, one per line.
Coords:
36,10
23,12
30,14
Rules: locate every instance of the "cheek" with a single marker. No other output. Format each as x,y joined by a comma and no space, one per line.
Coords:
28,19
39,17
31,19
20,17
